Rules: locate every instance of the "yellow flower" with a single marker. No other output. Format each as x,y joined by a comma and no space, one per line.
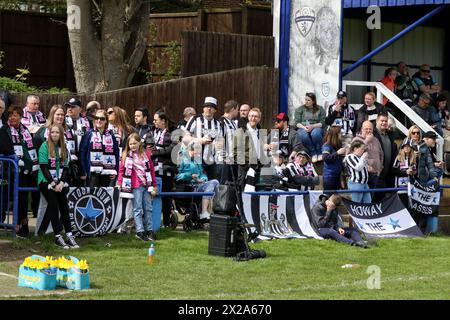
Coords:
65,263
82,265
52,262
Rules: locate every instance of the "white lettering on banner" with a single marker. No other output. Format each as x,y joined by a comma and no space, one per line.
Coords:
396,222
422,208
425,198
367,211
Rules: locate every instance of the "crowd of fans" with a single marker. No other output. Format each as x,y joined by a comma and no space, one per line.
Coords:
101,147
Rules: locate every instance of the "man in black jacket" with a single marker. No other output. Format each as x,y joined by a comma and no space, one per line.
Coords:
328,222
386,138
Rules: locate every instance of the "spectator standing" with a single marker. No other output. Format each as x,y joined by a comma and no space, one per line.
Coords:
91,109
310,121
225,154
188,114
405,165
137,180
358,171
33,118
244,110
3,117
374,152
342,114
16,139
52,181
158,141
369,110
204,129
141,122
99,153
286,139
429,170
386,139
119,124
333,154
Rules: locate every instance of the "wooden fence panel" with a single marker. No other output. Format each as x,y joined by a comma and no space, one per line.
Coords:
208,52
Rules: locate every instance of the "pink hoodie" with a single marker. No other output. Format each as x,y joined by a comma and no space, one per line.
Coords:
135,182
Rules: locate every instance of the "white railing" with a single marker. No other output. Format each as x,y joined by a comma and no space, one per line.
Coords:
383,91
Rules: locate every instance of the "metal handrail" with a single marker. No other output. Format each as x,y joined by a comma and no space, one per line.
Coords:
382,90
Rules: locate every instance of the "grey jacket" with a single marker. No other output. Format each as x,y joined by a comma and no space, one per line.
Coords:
426,170
322,218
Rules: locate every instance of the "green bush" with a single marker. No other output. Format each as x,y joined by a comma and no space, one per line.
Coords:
18,84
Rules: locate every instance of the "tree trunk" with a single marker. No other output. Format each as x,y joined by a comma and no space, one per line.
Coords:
105,56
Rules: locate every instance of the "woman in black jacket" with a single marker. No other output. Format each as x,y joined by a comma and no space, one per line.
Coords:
159,141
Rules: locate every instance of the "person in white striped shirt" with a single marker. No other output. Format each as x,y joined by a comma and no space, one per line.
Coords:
206,130
225,153
358,171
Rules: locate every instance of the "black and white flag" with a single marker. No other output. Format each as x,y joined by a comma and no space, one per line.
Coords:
277,216
386,219
423,199
92,211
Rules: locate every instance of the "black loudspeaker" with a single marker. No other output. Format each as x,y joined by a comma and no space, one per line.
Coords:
222,235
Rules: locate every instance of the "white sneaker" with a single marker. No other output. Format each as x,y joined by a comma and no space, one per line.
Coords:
204,215
314,159
319,157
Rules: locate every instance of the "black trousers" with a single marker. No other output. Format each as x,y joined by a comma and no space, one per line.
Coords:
97,180
167,186
56,206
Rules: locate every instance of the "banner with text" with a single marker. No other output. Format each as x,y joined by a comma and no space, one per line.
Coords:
424,199
386,219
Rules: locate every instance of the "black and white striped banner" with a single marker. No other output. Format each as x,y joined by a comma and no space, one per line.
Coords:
386,219
277,216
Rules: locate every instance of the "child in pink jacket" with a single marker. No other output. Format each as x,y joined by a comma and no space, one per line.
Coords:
137,180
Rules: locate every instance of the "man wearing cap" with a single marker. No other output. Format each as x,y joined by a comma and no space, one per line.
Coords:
33,118
284,138
78,125
205,130
342,114
425,81
429,167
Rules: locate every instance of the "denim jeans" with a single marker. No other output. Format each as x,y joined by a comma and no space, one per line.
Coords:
312,140
350,235
363,197
142,209
208,186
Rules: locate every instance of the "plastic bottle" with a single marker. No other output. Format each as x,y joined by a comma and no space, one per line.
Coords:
350,266
151,254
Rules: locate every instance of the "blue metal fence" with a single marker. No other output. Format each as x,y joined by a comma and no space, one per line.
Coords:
9,193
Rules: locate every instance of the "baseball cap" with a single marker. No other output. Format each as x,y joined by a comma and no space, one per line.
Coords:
406,142
341,94
210,101
430,134
303,153
281,117
73,102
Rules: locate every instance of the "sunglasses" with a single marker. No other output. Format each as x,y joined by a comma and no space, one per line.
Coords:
100,118
415,132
